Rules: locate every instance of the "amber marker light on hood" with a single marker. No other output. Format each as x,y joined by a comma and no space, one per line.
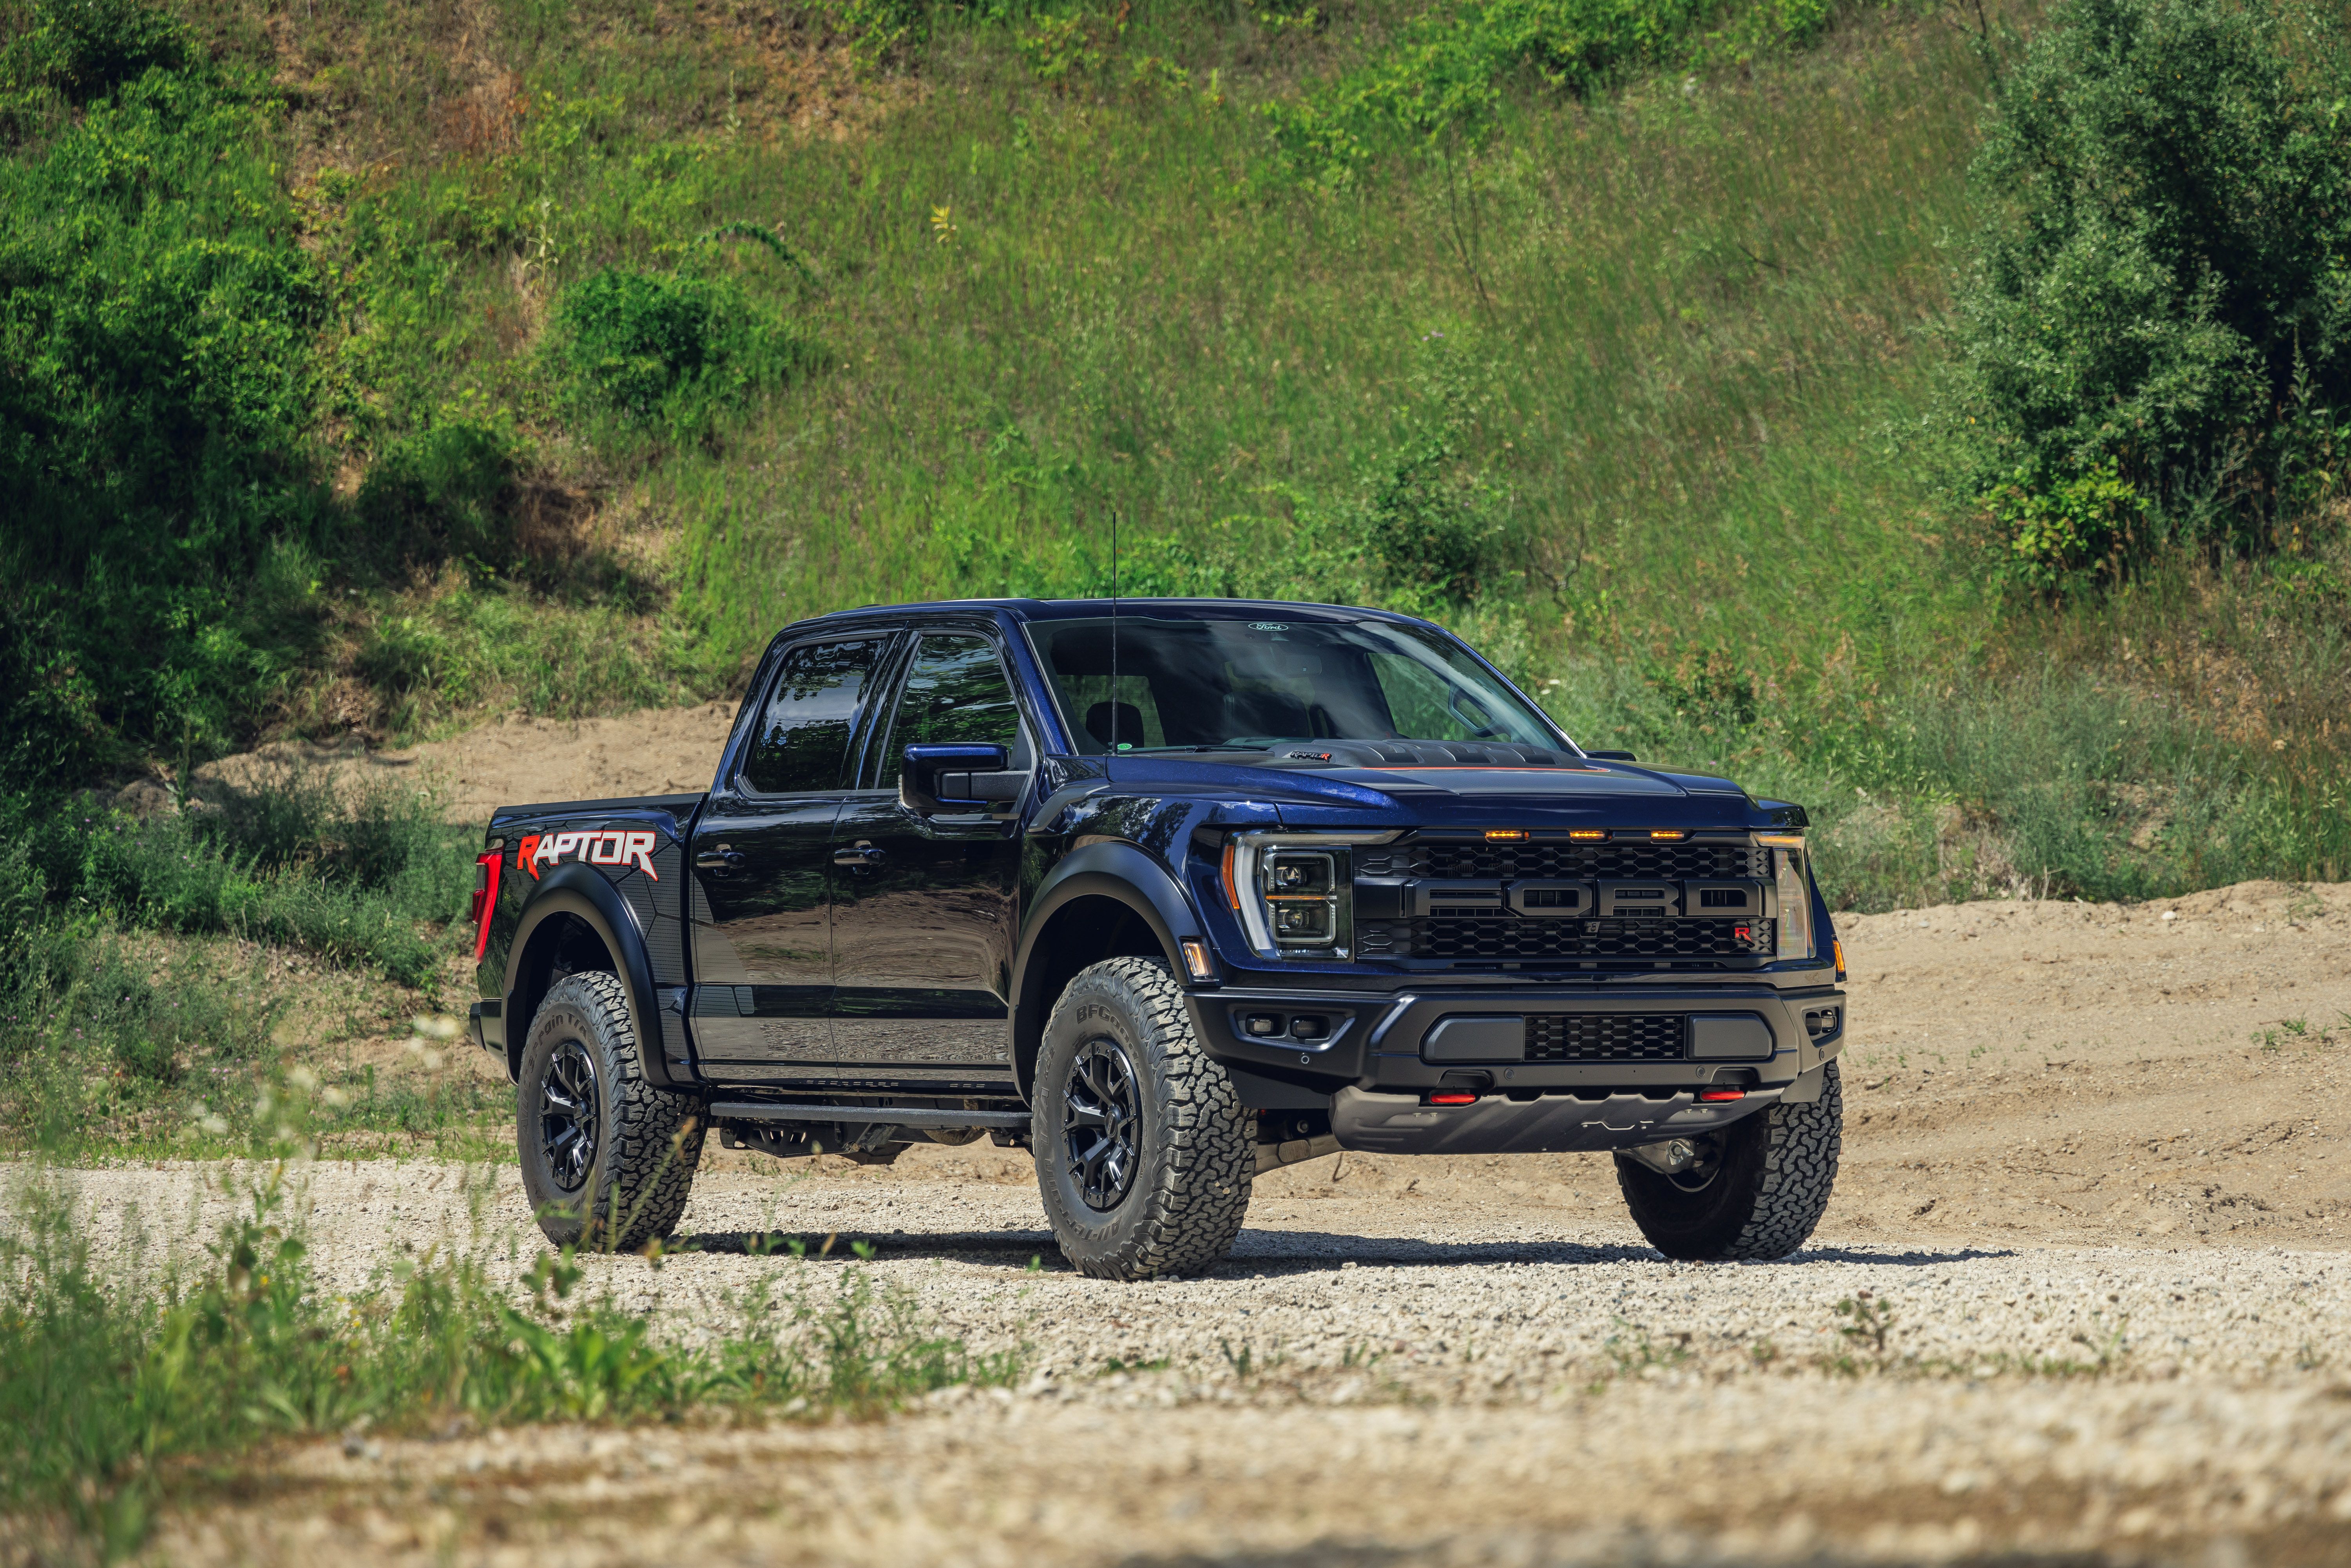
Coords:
1506,835
1587,835
1667,835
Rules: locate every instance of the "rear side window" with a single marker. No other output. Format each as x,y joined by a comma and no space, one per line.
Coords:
802,741
955,692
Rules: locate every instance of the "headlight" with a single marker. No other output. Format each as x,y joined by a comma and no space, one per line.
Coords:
1795,889
1295,891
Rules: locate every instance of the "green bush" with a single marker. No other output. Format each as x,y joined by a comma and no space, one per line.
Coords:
2155,313
1438,86
84,48
443,491
158,387
672,348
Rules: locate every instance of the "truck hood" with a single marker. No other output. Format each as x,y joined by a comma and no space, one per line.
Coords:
1335,790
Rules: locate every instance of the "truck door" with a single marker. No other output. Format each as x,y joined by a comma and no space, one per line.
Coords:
762,869
924,905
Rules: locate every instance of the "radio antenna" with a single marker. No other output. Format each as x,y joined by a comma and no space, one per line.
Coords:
1114,640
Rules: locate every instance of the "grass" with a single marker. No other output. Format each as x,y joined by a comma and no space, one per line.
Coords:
127,1380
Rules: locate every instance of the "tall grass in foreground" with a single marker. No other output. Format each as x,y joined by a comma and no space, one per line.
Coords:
118,1371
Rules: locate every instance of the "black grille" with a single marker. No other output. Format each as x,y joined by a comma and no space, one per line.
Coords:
1632,859
1606,1037
1508,937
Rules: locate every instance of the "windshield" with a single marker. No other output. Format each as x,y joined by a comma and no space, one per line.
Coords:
1246,684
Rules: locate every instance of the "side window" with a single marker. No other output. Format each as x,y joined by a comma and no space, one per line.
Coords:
955,691
803,735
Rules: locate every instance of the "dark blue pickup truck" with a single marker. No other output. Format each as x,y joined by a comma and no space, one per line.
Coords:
1171,891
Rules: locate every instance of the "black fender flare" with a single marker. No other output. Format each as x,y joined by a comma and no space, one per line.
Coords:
1112,869
584,893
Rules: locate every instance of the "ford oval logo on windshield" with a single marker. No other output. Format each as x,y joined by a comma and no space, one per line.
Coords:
1268,626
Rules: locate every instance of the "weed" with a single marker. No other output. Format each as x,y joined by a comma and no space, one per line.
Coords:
109,1376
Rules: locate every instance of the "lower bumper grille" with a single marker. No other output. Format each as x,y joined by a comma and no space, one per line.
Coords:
1511,938
1607,1036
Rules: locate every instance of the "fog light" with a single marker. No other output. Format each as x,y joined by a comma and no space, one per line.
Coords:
1308,1027
1261,1023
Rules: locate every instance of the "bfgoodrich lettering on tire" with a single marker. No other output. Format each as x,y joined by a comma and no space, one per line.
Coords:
607,1158
1756,1190
1143,1152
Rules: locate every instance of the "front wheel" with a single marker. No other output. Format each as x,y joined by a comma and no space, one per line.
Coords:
607,1158
1144,1153
1755,1189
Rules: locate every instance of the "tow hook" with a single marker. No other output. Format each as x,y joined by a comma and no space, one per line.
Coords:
1673,1155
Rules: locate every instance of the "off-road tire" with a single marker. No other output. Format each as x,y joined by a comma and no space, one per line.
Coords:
647,1139
1777,1167
1194,1148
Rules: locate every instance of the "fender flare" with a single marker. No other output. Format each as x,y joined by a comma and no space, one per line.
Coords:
583,893
1111,869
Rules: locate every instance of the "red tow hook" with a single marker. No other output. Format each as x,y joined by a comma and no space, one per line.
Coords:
1453,1097
1716,1096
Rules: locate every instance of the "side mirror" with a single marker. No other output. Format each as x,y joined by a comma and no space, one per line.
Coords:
957,779
1611,756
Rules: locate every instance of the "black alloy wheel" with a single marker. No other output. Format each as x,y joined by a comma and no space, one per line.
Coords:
608,1158
1100,1113
567,1114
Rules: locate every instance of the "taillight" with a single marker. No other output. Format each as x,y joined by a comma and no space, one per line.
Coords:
486,867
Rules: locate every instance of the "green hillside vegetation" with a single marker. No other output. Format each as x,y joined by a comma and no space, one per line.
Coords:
391,366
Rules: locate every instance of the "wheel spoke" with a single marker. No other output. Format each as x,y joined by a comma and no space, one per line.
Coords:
1099,1122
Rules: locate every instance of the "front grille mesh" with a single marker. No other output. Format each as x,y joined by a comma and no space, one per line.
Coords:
1632,860
1508,937
1606,1037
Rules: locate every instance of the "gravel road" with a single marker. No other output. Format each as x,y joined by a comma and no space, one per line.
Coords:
2095,1193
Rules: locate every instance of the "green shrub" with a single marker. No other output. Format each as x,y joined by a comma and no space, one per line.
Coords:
1437,87
159,388
2154,315
672,348
85,49
443,491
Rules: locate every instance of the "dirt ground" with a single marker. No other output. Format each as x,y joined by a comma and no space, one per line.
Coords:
2095,1188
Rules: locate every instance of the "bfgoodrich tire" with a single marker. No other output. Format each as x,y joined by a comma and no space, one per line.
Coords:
607,1158
1757,1190
1144,1153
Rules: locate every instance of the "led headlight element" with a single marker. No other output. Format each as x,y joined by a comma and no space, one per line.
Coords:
1296,890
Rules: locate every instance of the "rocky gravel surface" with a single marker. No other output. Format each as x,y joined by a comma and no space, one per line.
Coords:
2081,1298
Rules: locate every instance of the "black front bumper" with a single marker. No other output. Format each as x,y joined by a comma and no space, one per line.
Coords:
1381,1057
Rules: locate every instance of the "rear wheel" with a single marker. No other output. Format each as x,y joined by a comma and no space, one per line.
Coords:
1143,1152
608,1159
1754,1189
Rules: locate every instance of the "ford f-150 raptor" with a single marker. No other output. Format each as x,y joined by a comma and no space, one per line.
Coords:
1170,893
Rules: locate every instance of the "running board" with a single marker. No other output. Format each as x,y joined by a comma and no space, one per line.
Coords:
865,1116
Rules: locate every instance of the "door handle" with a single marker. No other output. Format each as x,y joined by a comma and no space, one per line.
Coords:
720,860
859,856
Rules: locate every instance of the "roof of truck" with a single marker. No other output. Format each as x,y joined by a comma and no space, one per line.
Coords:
1184,609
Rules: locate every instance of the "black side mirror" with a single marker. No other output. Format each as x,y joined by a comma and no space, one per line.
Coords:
1611,756
957,779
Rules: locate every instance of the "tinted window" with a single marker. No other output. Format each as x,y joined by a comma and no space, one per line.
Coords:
1210,682
803,735
955,691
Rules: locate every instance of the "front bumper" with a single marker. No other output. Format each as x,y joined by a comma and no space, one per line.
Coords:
1429,1038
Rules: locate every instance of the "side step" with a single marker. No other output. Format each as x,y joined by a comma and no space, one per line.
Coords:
864,1116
